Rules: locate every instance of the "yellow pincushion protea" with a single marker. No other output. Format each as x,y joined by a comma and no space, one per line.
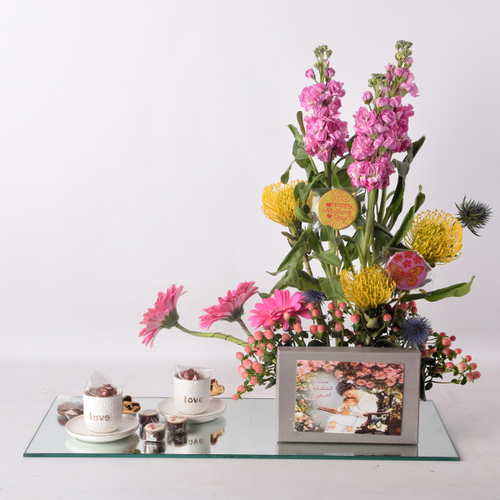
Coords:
436,236
278,203
369,288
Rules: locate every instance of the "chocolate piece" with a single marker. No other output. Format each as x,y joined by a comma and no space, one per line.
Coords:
177,440
154,432
105,391
176,424
215,388
148,416
70,409
130,406
190,374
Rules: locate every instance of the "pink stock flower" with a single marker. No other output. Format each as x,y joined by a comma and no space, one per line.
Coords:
229,308
272,309
163,315
310,74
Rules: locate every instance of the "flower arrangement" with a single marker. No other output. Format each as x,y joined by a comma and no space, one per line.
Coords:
369,273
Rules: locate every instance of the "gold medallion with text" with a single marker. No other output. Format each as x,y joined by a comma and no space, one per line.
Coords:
337,208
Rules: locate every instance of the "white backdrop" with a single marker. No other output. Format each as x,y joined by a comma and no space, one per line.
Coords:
137,138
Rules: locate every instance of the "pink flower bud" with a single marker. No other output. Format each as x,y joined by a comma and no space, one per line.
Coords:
442,334
387,317
315,313
338,313
339,327
453,338
446,351
449,366
412,303
458,350
477,375
342,305
313,329
253,381
287,316
251,340
310,74
330,73
355,318
414,310
244,374
285,338
331,306
468,358
367,97
236,397
297,327
269,347
269,334
259,353
310,306
473,366
446,342
321,328
241,388
239,355
258,335
247,363
470,377
241,369
248,349
462,366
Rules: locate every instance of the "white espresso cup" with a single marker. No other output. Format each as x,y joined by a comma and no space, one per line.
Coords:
192,397
102,415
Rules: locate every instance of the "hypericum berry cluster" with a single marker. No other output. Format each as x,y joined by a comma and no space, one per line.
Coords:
438,357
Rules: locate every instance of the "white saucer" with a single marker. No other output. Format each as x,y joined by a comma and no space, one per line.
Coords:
215,409
76,427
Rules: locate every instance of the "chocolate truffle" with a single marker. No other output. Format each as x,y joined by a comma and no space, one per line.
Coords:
176,424
154,432
148,416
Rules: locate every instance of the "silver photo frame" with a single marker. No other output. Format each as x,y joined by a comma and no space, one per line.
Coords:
348,395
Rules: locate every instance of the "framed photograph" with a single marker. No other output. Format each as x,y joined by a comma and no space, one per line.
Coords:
348,395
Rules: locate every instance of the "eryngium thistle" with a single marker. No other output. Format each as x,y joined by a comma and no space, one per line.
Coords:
473,215
415,331
314,296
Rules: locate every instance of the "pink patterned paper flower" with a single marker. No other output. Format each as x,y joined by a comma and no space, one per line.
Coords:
229,308
273,309
163,315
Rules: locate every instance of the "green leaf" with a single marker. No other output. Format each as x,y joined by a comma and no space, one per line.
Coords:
296,133
414,149
329,258
458,290
296,254
347,261
286,175
302,216
327,233
403,167
299,152
300,121
296,278
331,288
408,220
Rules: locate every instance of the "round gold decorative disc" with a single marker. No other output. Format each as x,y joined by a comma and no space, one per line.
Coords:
337,208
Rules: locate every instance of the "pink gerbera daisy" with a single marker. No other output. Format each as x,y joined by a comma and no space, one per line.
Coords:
229,308
272,309
163,315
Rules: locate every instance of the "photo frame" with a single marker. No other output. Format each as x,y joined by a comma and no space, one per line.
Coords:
348,395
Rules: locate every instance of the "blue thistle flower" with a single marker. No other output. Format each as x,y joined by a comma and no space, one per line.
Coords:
473,215
314,296
415,331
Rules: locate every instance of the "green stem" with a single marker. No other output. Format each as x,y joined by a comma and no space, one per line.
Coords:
245,329
215,335
368,232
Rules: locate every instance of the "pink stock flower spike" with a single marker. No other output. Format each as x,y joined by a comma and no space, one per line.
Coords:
229,308
162,315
